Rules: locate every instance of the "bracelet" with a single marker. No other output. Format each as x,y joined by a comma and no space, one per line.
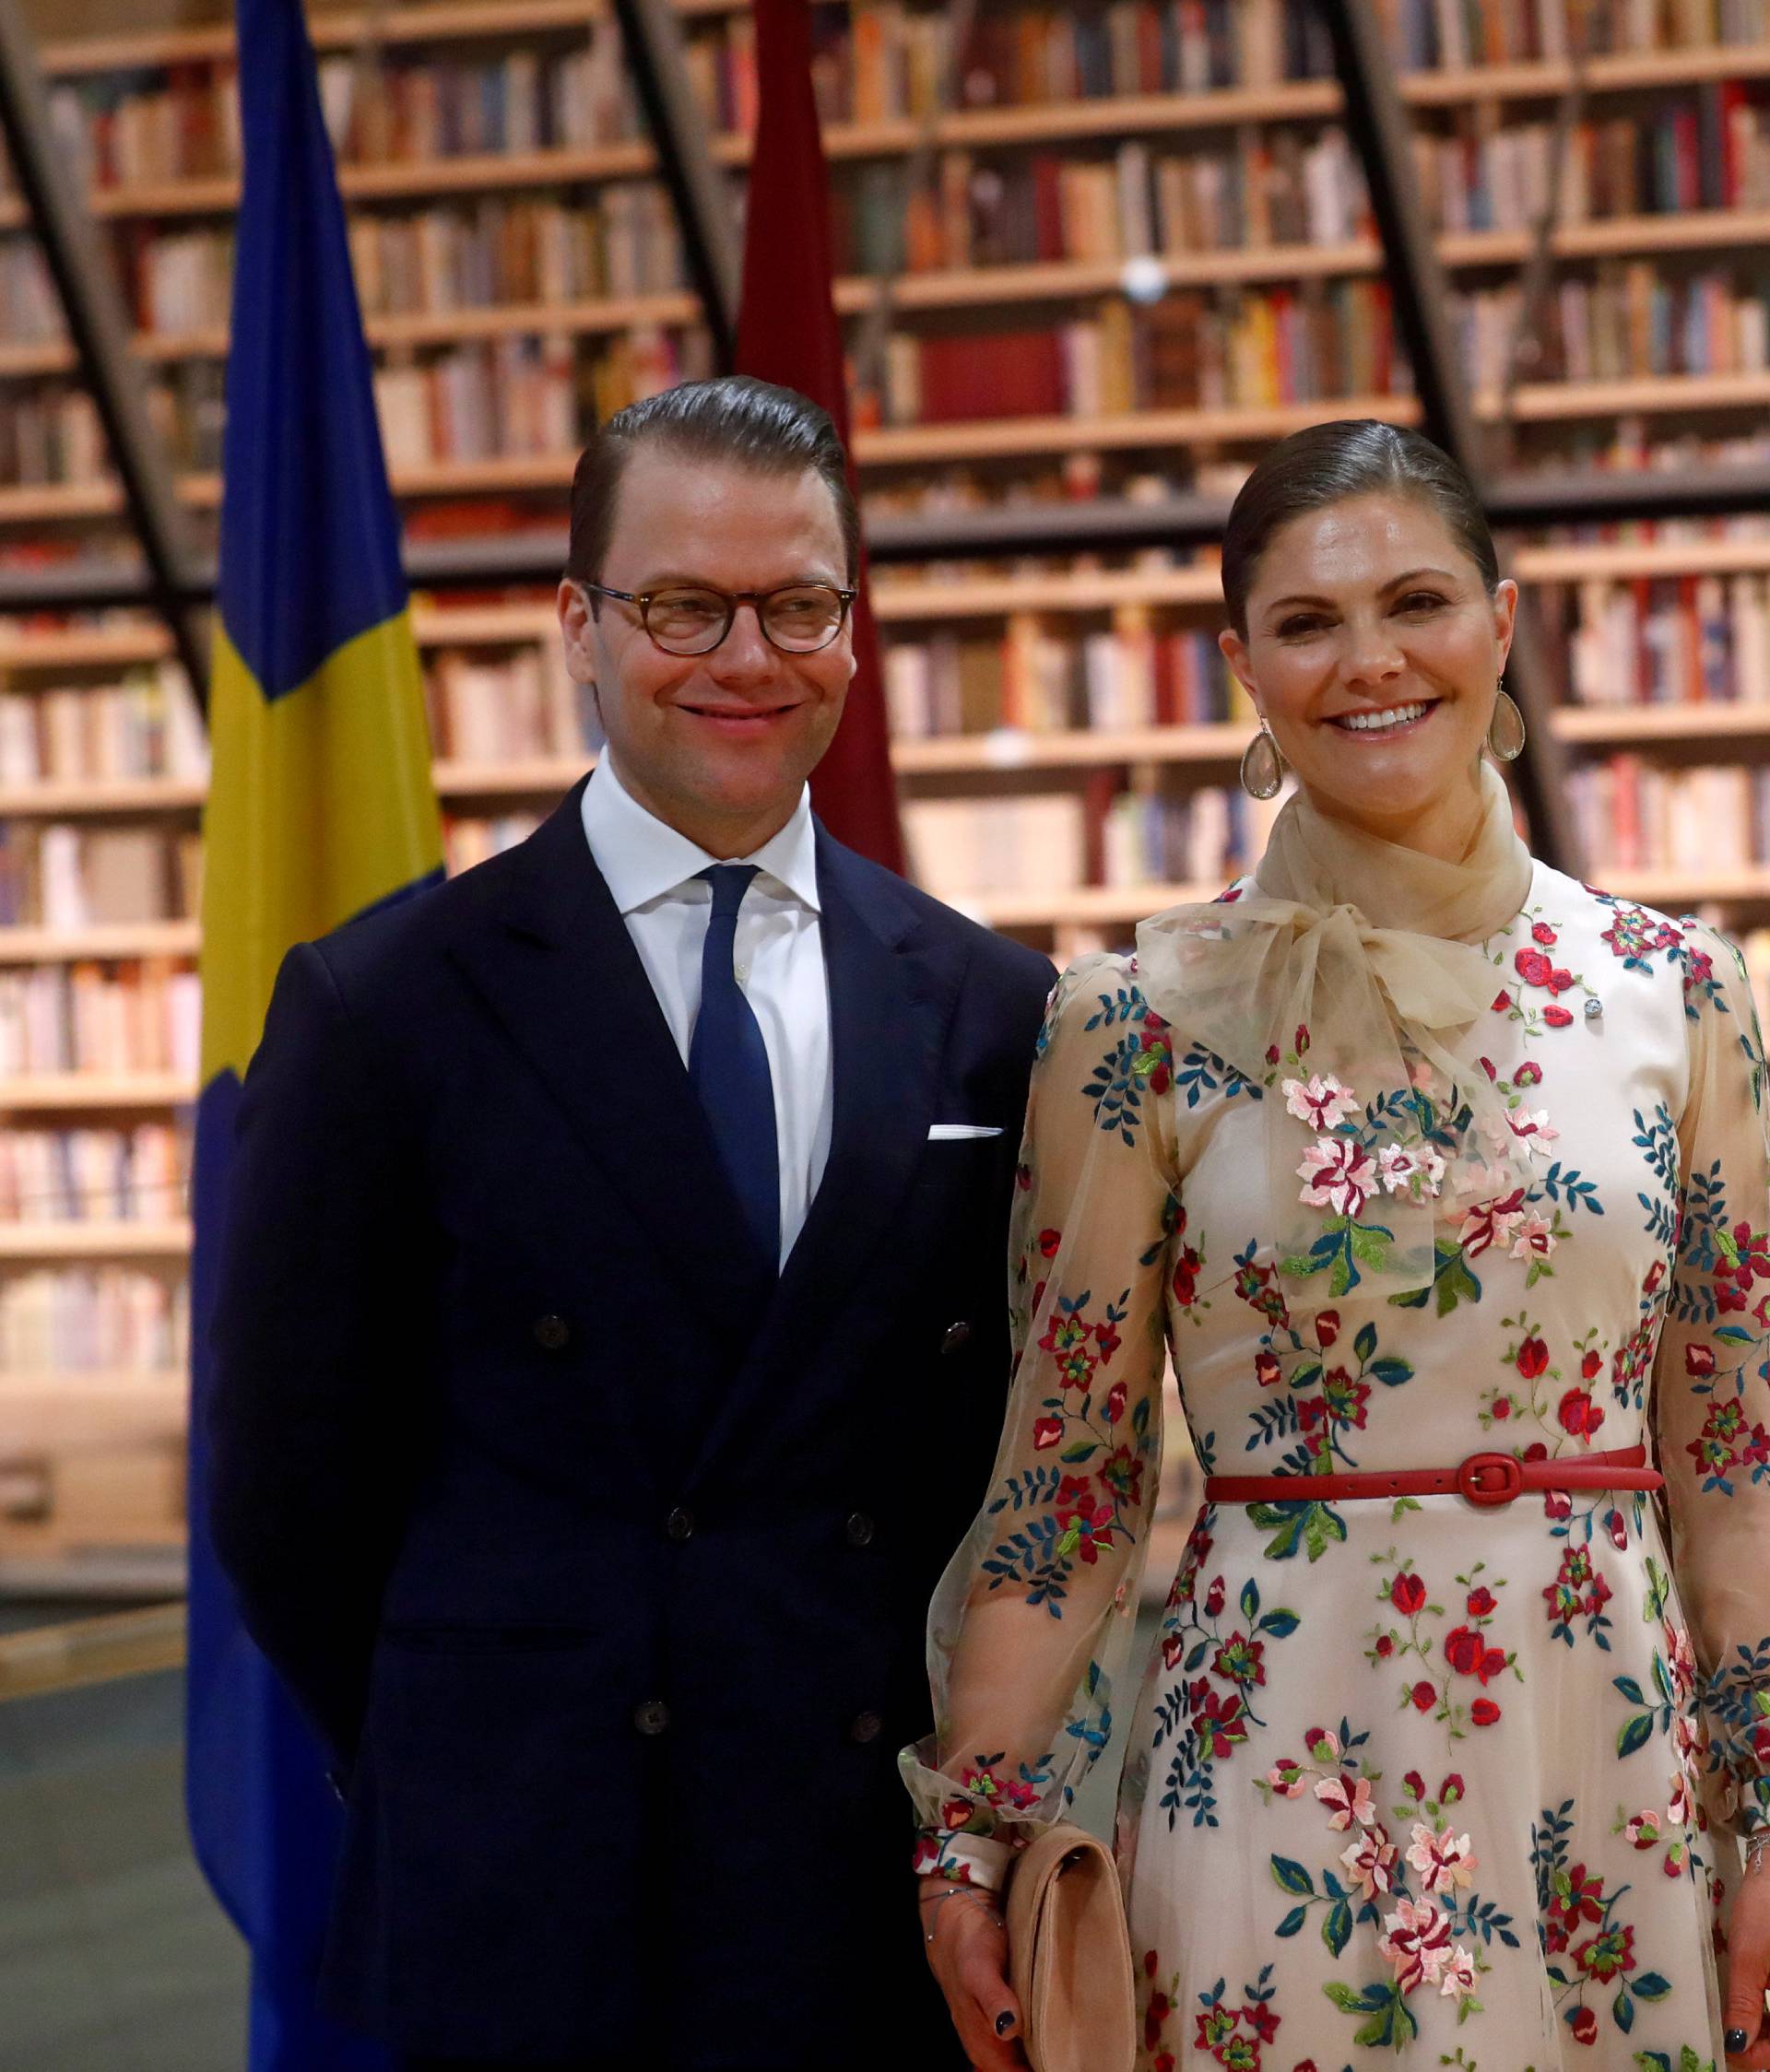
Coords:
962,1892
1757,1847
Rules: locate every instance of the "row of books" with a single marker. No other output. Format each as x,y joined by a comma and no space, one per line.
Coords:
896,58
490,397
1135,675
53,875
82,1320
1633,815
1190,351
141,1015
1629,321
1430,34
136,1175
1675,640
1049,843
132,128
1267,187
145,724
471,254
1708,147
508,705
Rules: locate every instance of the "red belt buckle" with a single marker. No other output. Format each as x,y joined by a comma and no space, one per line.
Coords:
1489,1481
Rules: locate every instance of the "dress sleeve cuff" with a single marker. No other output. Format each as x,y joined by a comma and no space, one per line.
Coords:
967,1859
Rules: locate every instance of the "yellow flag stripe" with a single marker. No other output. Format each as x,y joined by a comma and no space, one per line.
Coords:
320,804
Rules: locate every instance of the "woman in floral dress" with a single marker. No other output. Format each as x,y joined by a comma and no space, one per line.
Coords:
1422,1160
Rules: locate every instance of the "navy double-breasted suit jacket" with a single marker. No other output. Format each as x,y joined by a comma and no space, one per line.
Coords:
600,1557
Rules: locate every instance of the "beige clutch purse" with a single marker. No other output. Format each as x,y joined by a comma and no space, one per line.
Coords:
1069,1952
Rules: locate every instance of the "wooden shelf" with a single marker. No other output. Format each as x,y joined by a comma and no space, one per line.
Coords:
95,1241
63,946
92,647
74,798
1085,590
539,777
1548,402
483,625
898,446
1006,438
335,30
1090,904
66,1411
1624,726
975,287
1674,891
61,1092
1012,748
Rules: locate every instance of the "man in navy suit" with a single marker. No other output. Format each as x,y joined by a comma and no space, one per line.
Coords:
612,1342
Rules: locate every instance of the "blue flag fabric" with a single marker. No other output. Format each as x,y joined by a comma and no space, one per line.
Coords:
321,806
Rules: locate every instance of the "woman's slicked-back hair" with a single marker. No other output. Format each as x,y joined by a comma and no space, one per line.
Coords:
1324,464
733,418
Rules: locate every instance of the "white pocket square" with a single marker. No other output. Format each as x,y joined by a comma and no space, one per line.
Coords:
947,1133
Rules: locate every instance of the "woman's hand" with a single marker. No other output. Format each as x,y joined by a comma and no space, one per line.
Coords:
1748,1972
968,1958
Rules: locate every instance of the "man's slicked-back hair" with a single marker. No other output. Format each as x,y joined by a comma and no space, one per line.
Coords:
733,419
1351,457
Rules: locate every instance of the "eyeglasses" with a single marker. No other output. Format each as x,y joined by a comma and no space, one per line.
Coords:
799,619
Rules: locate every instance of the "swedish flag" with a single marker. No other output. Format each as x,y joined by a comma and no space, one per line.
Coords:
320,806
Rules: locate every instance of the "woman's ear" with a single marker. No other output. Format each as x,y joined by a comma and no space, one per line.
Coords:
1505,617
1235,651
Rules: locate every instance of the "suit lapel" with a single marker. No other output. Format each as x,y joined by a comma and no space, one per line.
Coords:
892,997
552,959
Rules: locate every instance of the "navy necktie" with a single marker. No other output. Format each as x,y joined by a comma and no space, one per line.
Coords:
728,1065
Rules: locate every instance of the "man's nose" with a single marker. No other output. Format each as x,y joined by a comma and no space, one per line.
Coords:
746,649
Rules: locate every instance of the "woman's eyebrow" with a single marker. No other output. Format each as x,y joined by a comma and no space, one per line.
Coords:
1394,582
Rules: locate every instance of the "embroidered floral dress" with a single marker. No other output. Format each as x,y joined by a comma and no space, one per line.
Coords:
1407,1781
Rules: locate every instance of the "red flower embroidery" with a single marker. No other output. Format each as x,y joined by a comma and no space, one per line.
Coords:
1407,1595
1557,1017
1483,1712
1578,1414
1047,1432
1533,1357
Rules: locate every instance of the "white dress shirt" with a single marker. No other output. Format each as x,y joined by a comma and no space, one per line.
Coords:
653,873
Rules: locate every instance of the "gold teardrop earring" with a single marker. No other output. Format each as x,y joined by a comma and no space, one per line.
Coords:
1262,766
1506,729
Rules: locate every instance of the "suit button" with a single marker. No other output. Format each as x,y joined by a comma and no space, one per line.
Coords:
859,1529
680,1525
958,1336
653,1717
551,1333
864,1728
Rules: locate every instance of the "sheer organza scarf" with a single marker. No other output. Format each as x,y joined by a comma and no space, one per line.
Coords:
1336,989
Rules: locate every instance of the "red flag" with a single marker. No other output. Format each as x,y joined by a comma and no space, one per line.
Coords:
787,332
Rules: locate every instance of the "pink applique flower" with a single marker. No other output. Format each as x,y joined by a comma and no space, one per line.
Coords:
1418,1944
1320,1101
1370,1857
1415,1173
1460,1976
1491,1223
1341,1175
1536,1239
1444,1862
1351,1799
1536,1130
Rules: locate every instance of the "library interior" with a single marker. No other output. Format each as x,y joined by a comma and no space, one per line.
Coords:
1091,260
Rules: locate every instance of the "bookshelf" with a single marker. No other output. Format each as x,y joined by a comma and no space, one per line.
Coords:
511,288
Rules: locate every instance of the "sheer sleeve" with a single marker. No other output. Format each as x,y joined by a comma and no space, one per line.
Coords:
1711,1394
1033,1622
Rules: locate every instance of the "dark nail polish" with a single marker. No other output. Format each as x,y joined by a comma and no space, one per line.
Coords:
1735,2041
1005,2022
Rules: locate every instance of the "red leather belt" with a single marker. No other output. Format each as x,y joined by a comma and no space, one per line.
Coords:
1486,1481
